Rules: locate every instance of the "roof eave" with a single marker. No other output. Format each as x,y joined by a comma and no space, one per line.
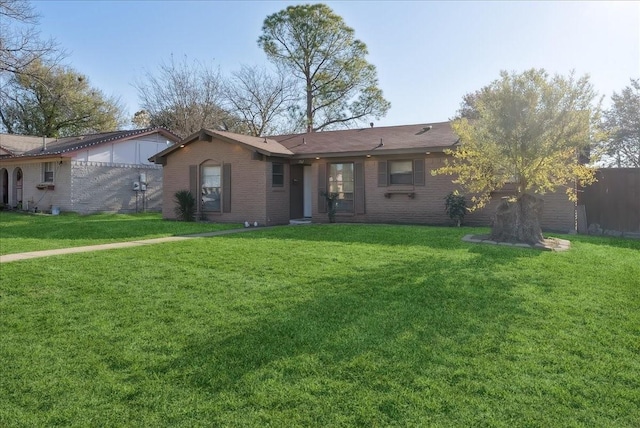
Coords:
375,152
208,136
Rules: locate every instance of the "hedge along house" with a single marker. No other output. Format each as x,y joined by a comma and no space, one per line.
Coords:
381,175
106,172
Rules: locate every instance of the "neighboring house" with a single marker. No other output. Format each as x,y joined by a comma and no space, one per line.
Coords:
381,175
107,172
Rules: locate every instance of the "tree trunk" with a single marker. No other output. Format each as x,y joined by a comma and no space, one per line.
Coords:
519,220
309,106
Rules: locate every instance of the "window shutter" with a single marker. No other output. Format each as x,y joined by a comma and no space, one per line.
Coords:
382,174
226,188
322,187
359,187
418,172
193,181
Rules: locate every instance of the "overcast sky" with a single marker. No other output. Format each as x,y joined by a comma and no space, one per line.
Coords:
428,53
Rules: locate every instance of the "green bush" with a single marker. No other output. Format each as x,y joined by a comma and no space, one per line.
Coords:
332,203
185,205
456,207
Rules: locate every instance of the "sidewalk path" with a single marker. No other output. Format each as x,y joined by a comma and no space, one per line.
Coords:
46,253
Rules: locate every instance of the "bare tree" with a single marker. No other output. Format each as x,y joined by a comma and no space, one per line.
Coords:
184,98
20,42
262,100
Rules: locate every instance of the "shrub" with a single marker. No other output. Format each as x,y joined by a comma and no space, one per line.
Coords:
185,205
332,202
456,207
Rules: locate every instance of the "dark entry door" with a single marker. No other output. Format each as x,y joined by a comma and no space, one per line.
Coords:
4,179
296,204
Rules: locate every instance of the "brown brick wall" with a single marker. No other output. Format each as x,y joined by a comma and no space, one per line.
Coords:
427,205
248,180
254,199
277,197
558,214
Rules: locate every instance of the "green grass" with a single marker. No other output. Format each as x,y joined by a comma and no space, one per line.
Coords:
328,325
27,232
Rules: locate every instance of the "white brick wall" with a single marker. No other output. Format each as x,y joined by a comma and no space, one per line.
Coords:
32,176
97,187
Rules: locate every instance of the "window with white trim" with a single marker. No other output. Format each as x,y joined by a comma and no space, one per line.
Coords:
210,190
48,172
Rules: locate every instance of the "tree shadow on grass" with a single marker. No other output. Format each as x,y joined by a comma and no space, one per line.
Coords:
399,321
379,234
605,241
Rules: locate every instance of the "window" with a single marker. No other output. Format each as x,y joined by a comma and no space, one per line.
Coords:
48,172
210,189
341,182
277,174
400,172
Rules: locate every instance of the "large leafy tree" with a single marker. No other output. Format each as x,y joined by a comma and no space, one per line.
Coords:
56,101
623,125
340,87
525,136
184,98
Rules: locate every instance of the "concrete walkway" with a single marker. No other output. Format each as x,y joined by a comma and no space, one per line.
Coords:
46,253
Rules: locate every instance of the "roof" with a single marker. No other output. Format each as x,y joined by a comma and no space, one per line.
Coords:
71,144
18,144
348,142
387,139
263,145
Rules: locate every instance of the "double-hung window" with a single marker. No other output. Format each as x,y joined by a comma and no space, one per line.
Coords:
48,172
341,182
277,174
401,172
210,188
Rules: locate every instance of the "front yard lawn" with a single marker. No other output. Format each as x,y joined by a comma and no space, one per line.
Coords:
324,325
20,232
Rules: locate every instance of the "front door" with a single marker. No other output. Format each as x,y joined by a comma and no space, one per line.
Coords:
17,186
307,191
296,201
4,187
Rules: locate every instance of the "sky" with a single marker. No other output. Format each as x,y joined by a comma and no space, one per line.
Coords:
428,54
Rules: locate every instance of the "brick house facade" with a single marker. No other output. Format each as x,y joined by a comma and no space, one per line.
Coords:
84,174
381,175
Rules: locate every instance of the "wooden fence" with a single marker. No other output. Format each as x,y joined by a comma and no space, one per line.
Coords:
613,202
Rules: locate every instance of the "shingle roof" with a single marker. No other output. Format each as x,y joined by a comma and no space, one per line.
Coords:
19,144
389,139
72,144
262,145
269,145
394,139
